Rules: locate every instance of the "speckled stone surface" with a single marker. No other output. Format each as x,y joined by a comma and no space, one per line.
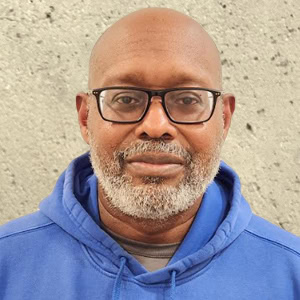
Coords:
45,47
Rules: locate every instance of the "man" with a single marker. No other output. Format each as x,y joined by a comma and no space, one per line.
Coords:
152,216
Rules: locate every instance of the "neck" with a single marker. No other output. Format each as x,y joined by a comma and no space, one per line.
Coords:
172,230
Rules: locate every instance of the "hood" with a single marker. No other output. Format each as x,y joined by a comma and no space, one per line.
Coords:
222,217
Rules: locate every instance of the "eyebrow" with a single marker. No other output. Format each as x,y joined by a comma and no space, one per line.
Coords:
138,79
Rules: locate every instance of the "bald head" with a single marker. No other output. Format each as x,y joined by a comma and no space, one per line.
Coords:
154,35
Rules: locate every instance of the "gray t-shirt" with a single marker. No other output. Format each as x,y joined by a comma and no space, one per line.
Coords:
151,256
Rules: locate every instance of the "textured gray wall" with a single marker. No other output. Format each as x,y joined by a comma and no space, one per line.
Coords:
44,53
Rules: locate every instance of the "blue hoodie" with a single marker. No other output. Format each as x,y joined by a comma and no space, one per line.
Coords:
61,252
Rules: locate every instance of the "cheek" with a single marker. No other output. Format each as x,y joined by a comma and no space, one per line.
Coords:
204,138
108,136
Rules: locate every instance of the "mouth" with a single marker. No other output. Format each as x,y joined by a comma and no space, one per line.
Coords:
156,164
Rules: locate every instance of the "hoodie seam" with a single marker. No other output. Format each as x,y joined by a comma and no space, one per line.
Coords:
25,231
278,244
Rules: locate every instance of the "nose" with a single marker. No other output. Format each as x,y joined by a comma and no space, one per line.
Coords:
156,123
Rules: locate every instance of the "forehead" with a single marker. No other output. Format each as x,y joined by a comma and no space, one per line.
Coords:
155,76
156,56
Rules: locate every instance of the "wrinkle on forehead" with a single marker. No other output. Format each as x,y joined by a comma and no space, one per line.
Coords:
152,32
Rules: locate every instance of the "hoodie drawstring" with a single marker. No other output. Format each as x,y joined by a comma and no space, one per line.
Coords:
117,285
173,285
118,281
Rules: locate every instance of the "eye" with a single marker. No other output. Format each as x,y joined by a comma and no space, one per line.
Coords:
188,100
126,100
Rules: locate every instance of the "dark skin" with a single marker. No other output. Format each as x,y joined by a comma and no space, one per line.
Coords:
154,48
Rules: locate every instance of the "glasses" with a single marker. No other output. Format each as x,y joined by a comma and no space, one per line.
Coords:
181,105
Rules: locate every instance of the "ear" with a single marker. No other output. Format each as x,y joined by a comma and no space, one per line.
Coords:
82,110
228,110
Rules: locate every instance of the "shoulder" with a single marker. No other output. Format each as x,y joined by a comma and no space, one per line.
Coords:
31,236
269,234
24,225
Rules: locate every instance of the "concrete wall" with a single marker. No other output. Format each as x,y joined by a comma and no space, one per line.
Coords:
44,51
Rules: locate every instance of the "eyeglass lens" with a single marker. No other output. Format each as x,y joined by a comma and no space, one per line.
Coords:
181,105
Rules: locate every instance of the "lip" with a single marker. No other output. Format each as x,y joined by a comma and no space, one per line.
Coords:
164,165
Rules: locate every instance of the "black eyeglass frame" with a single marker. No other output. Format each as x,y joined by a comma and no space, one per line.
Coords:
153,93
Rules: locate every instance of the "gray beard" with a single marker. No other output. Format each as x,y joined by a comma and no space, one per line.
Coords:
154,199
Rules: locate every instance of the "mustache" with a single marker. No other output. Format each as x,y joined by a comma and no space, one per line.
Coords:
152,146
